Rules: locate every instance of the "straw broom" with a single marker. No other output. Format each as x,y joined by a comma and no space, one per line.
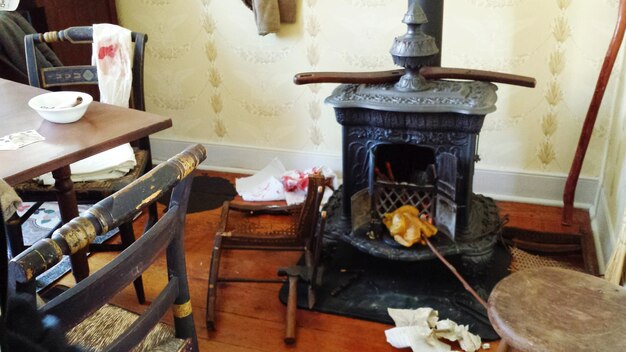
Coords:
615,270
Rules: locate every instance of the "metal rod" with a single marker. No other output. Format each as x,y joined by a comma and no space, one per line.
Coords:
456,273
262,248
243,279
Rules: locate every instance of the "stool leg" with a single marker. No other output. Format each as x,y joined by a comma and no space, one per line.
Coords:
213,278
292,302
503,346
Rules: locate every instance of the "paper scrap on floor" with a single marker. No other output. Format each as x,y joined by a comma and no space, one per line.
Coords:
420,329
274,183
265,185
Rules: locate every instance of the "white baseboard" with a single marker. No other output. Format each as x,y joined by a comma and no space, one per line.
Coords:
501,185
604,235
523,187
243,159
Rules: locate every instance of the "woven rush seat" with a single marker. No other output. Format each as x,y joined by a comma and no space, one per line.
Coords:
115,320
86,189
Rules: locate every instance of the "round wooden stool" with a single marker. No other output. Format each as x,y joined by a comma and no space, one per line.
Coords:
553,309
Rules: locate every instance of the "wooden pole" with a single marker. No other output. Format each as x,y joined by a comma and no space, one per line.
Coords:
292,301
585,135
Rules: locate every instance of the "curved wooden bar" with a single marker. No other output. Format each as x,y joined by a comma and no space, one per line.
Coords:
428,72
348,77
592,113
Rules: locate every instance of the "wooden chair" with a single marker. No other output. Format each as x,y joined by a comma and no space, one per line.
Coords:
75,307
554,309
247,227
91,191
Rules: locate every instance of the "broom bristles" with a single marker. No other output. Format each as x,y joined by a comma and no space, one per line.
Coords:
615,269
615,272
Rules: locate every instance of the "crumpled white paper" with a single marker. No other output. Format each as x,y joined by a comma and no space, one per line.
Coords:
414,329
420,330
266,185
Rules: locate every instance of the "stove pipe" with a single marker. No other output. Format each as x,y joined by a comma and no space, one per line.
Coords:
434,12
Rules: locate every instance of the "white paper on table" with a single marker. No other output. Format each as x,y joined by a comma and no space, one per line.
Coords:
265,185
9,5
18,140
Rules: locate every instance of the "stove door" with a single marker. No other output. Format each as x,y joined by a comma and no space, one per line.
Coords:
445,213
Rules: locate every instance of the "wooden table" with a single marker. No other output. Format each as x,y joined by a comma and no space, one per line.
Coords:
104,126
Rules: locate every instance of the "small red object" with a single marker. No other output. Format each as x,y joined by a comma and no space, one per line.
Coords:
105,51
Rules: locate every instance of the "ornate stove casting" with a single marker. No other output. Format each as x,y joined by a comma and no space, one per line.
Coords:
442,119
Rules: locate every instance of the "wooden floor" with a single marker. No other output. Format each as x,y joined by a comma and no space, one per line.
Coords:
250,316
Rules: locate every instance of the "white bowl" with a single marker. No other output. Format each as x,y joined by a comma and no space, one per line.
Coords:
61,107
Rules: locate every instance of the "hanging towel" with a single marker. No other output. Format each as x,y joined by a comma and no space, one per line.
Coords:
266,15
112,46
8,199
287,10
111,54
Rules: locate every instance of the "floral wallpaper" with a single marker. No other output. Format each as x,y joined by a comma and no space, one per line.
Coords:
222,83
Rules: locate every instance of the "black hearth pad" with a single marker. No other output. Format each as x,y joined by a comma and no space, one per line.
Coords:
206,193
360,286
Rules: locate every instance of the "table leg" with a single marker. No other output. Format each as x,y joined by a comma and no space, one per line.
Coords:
68,206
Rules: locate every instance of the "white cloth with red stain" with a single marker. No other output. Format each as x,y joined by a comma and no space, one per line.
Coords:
274,182
296,183
112,50
264,185
111,54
